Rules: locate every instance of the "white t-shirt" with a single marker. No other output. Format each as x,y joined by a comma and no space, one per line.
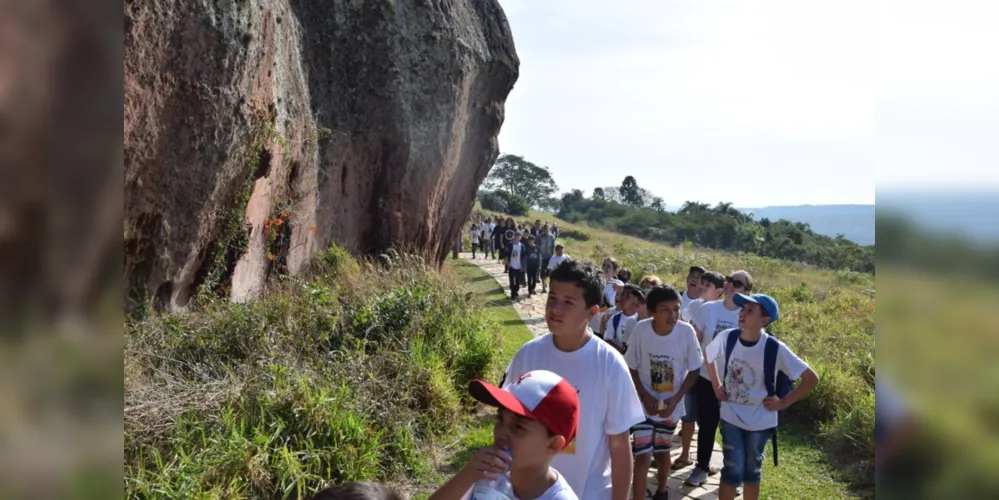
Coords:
608,405
556,260
515,252
744,383
691,309
610,293
559,490
685,300
616,335
663,361
629,328
713,318
474,235
598,318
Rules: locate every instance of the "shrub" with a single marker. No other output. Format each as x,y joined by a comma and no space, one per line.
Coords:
574,234
341,376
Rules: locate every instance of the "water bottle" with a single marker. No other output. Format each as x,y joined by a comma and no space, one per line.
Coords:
496,489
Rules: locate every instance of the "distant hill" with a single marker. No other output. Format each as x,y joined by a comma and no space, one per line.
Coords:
855,222
969,213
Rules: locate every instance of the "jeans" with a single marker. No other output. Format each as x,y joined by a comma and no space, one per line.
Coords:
532,278
516,281
743,451
707,422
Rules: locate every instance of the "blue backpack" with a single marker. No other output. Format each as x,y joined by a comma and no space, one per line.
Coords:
777,384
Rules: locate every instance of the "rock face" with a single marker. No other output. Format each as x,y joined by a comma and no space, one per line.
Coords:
257,132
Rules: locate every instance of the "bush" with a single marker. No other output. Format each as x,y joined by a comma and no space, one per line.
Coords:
339,377
574,234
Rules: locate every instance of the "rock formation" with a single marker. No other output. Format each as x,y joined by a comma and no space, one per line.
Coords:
257,132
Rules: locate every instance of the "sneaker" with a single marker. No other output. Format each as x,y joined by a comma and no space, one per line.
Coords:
697,477
661,495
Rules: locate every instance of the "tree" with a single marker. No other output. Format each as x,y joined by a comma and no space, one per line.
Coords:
522,178
630,192
693,207
598,194
657,204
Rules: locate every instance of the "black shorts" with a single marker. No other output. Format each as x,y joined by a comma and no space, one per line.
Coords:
544,266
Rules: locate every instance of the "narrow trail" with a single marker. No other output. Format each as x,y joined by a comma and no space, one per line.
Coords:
532,312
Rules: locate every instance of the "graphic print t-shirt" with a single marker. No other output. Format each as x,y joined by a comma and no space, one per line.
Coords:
608,404
713,318
515,250
744,382
663,361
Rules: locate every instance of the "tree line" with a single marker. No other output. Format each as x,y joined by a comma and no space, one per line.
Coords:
515,185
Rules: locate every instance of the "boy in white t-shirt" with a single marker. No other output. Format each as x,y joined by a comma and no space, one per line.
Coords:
711,289
474,233
712,286
538,416
598,463
748,413
628,301
665,359
693,291
712,318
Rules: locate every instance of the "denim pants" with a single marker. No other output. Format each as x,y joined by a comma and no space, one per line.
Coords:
743,452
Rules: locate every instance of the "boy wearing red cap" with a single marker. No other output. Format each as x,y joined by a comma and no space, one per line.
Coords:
538,416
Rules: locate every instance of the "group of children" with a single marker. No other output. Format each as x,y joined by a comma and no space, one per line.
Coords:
583,409
528,253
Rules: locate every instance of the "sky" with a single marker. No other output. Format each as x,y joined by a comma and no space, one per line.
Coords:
756,103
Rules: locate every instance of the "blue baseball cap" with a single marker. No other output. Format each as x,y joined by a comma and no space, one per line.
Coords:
765,301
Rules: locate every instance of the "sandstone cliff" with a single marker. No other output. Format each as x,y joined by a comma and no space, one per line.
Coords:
257,132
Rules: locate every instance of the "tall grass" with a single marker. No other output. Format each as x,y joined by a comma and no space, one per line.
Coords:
339,376
827,318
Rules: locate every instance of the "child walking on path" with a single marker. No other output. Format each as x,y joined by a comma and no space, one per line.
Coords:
532,257
738,365
665,360
474,233
516,265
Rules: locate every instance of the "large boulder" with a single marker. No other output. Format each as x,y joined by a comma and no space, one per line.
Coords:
258,132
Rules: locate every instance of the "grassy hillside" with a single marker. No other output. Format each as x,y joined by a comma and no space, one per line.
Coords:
355,372
827,318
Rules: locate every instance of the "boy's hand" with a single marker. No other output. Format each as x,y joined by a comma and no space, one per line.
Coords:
721,393
649,403
603,323
487,463
671,403
773,403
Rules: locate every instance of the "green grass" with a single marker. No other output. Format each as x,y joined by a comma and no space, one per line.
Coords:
355,372
496,307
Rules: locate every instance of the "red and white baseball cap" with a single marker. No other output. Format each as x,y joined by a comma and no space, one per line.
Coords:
540,395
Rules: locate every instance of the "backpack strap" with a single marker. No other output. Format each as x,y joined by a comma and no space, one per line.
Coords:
770,380
770,365
616,322
733,336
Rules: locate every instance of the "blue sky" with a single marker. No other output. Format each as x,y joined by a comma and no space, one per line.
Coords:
756,103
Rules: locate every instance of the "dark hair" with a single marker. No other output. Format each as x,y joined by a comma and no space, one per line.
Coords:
559,247
696,269
530,237
660,294
584,274
714,278
624,274
357,491
634,291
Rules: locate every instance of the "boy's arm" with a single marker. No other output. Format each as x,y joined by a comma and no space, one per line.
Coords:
809,379
455,488
622,463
